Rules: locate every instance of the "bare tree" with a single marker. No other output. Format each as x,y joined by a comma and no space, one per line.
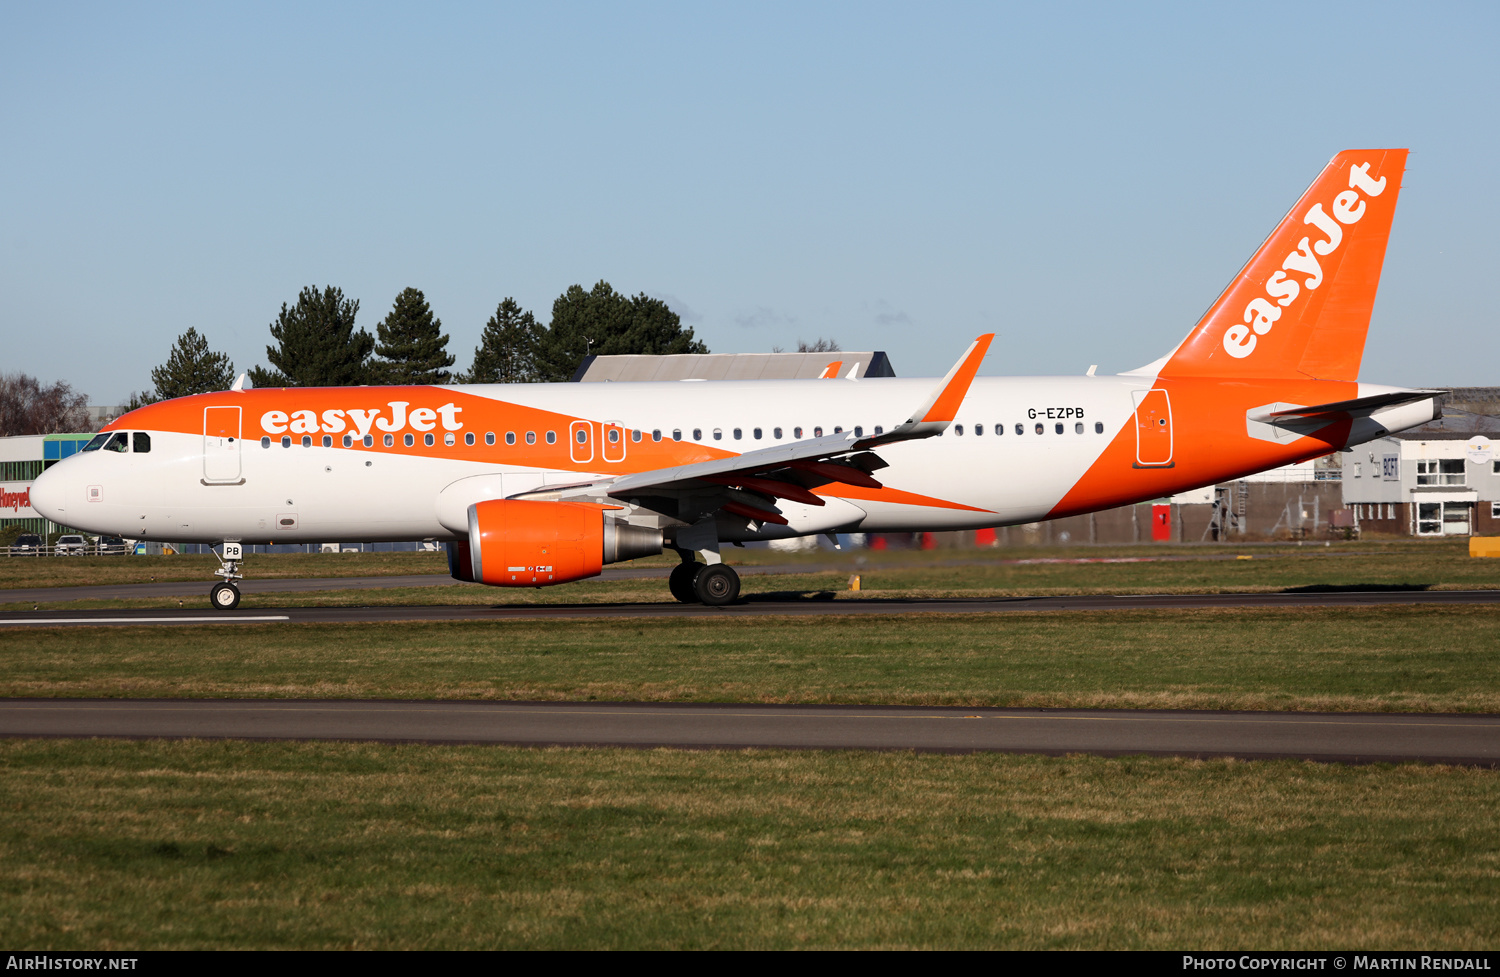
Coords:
820,346
28,407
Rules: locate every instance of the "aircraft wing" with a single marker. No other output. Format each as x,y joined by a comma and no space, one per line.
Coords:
748,484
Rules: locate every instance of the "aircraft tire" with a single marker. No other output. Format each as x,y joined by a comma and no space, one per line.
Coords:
224,596
717,585
680,583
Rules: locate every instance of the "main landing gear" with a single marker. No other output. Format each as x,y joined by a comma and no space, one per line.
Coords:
224,595
713,584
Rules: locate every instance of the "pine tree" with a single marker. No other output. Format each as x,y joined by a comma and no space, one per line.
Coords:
603,322
411,344
191,368
318,346
507,349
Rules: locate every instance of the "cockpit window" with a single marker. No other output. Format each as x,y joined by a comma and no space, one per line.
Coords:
117,442
96,443
140,442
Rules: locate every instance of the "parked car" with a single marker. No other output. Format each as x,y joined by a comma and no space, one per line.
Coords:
28,544
112,546
70,545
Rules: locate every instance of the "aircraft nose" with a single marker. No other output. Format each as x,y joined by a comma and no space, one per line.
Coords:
49,495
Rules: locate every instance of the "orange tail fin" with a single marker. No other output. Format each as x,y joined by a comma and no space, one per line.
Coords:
1301,307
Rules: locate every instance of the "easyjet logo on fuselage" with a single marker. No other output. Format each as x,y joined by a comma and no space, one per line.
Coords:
1260,315
362,420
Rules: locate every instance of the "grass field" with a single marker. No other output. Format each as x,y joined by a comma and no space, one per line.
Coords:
1384,659
1426,565
147,844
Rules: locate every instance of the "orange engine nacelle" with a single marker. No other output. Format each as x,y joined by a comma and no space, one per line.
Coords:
517,543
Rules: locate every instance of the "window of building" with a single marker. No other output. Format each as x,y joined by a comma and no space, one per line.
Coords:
551,437
140,442
1390,511
1497,467
1440,471
1495,510
1356,469
410,439
1443,518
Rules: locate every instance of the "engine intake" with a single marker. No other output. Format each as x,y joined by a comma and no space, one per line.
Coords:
519,543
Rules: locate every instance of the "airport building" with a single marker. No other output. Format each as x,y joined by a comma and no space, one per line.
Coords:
22,459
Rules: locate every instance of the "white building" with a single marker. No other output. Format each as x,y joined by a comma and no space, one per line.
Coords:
1440,484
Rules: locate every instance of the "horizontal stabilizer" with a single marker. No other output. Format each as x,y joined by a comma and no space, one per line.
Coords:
1358,407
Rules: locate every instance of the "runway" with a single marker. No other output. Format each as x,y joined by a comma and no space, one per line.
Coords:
756,605
1469,740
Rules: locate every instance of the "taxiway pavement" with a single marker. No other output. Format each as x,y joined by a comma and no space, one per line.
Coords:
823,604
1345,737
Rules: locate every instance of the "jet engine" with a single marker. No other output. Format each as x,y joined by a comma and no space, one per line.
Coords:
519,543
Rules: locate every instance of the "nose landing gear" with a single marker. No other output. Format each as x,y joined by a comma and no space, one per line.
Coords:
224,595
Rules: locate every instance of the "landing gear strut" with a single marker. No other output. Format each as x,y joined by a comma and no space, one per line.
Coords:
224,595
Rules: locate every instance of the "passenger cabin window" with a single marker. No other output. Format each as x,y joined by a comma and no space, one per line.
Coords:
469,438
307,440
756,433
978,430
697,434
427,440
796,432
449,439
614,436
738,434
266,442
390,440
958,429
531,437
859,431
1020,429
327,440
489,437
879,429
1098,427
776,433
369,442
718,434
817,432
286,440
140,442
409,439
1041,429
348,440
1078,428
1058,428
999,429
676,434
551,437
581,435
510,437
656,434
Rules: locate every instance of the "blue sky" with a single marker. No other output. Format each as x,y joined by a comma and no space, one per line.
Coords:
1080,179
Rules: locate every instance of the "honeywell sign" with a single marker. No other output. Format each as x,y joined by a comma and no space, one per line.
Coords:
15,501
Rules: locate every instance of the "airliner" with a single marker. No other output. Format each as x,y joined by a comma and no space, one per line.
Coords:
530,485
